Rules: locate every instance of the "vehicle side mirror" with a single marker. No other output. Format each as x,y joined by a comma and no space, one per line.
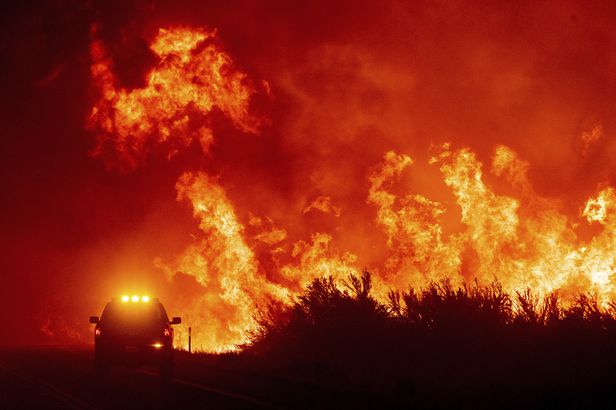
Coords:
94,319
176,321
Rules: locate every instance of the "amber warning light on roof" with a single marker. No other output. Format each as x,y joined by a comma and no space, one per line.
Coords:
135,298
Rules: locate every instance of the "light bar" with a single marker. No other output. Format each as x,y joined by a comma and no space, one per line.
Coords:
135,298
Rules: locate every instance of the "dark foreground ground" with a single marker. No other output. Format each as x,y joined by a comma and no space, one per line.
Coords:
63,378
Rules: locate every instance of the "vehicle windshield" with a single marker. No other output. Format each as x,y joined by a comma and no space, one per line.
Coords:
133,316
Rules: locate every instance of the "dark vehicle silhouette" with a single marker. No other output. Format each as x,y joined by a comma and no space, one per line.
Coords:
134,331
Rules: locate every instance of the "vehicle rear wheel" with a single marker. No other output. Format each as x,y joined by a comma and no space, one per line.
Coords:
166,370
101,366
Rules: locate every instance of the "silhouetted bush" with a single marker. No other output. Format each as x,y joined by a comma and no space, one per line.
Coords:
438,342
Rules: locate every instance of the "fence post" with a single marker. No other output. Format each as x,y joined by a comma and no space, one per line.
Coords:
189,339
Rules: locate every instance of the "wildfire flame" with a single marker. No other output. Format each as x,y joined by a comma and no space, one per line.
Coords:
224,265
192,78
523,240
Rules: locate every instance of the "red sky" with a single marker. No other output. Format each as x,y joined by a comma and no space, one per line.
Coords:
349,82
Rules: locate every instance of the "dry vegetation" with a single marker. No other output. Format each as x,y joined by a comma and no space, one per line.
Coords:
442,345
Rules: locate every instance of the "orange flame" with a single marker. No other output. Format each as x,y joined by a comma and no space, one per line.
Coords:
323,204
232,281
225,267
191,78
523,243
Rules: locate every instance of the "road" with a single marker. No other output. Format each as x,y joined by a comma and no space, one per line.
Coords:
63,378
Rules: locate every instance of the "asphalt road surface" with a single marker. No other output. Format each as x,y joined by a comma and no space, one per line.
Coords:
63,378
